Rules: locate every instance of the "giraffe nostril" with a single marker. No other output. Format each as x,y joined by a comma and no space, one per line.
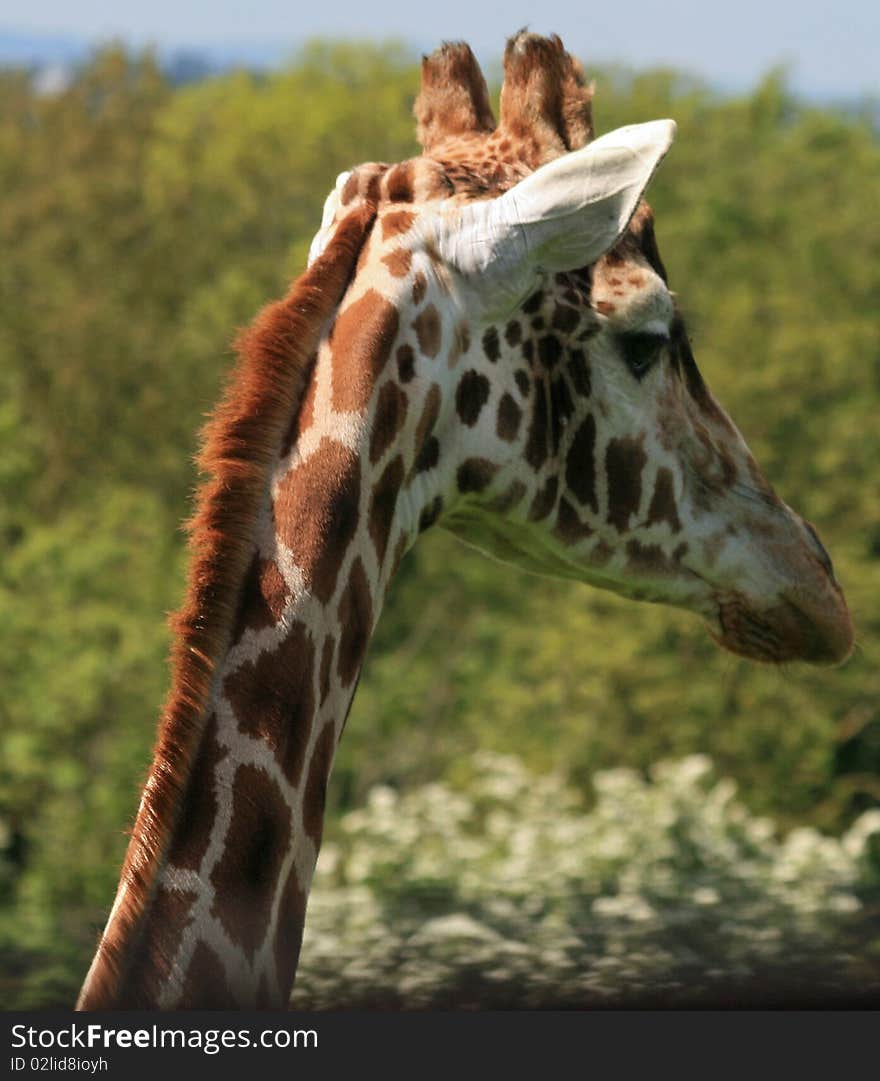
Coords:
819,550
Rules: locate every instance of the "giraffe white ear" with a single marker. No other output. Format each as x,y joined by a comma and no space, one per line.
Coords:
562,217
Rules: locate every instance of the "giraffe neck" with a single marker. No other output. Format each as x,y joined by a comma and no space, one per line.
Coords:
222,906
327,543
242,860
291,563
365,464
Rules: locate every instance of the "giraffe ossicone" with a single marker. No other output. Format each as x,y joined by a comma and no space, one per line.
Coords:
484,339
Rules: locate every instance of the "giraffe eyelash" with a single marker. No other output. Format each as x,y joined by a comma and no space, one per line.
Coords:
641,351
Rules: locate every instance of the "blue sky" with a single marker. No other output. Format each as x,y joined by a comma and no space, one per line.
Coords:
832,50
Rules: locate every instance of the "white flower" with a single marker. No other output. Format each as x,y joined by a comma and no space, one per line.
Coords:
666,884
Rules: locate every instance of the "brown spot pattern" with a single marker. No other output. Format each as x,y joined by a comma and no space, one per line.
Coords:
273,698
533,303
663,507
200,803
263,599
350,188
544,501
400,550
509,417
475,475
326,662
291,920
315,794
302,418
624,461
461,343
205,986
569,527
361,339
471,395
316,513
399,183
374,184
406,363
166,919
427,327
256,844
561,410
389,418
565,318
398,262
428,456
536,443
491,345
649,559
522,382
425,427
580,466
419,288
549,350
383,504
431,513
396,223
579,370
356,620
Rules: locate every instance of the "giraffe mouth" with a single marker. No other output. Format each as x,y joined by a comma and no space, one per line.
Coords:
790,630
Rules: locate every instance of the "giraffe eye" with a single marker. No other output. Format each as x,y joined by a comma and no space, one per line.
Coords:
641,351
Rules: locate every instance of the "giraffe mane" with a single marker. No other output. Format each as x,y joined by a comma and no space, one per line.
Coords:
240,443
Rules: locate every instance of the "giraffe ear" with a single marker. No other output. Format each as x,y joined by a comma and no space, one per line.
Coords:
562,217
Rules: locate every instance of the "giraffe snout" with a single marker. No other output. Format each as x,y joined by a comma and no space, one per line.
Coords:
793,609
796,626
823,626
823,631
819,550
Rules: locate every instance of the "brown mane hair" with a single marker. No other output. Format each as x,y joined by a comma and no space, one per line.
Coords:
240,444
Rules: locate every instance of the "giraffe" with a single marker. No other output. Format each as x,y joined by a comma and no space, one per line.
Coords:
484,338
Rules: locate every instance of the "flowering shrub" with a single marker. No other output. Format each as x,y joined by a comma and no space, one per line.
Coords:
512,894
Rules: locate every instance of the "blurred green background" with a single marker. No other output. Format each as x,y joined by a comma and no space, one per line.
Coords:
142,222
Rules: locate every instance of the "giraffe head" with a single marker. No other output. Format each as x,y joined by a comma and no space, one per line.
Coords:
567,428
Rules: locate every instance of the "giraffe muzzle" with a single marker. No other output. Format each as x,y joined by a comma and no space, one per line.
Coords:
799,626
